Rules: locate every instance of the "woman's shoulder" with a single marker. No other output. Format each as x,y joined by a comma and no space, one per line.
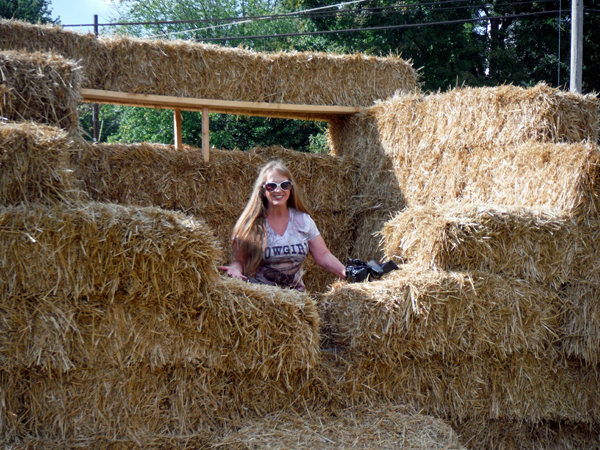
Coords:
304,222
299,215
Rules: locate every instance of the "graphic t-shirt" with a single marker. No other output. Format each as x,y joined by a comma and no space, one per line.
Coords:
283,256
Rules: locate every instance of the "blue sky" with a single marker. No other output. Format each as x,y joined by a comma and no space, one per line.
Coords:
81,12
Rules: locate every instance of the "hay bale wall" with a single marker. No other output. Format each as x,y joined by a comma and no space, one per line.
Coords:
144,174
183,69
116,325
41,87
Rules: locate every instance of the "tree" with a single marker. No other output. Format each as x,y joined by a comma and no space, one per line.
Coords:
34,11
518,42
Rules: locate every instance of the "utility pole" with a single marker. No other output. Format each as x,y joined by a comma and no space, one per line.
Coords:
576,44
95,106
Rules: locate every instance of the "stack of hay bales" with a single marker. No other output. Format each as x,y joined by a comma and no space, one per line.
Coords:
116,330
116,326
489,145
493,323
184,69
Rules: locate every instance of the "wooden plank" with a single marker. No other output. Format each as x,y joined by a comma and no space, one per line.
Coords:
282,110
177,129
205,134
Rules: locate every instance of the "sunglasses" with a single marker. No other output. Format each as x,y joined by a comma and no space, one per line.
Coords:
284,185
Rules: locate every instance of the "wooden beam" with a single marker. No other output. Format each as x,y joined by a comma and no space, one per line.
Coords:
282,110
205,134
177,129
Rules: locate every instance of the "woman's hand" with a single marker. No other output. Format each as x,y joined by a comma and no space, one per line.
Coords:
234,270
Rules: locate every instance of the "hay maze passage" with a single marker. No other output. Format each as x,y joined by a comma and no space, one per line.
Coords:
117,331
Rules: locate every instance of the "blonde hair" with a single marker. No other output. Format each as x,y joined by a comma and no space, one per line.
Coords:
249,233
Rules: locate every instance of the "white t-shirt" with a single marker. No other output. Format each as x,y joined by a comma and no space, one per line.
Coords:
283,256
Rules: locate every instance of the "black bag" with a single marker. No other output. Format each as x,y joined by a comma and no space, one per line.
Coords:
357,270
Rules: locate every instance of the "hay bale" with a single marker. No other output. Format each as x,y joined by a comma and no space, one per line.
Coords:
145,174
116,370
537,244
426,127
35,165
418,313
234,327
100,249
41,87
184,69
480,433
521,387
135,403
388,427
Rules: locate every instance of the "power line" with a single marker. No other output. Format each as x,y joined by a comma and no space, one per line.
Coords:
312,13
387,27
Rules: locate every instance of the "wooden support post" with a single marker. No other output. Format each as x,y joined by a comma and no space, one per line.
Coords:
205,134
177,129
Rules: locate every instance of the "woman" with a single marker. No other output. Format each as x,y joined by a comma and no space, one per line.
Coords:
275,233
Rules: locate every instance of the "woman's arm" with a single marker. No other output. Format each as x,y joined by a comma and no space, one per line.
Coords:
236,268
324,258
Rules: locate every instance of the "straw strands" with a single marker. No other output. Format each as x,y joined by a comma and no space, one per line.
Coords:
390,427
184,69
34,165
42,87
542,245
100,249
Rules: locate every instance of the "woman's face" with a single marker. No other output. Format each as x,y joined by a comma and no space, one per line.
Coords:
278,197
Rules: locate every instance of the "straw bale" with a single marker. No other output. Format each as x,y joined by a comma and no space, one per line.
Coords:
41,87
500,116
135,403
235,327
382,428
480,433
417,313
522,386
34,162
196,441
144,175
537,244
99,249
186,69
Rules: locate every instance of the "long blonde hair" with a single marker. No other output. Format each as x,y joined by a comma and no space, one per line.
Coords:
249,233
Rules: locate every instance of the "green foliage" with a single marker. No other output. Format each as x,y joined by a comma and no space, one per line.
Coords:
129,124
34,11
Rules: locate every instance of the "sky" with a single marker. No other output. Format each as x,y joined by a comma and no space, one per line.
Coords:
81,12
